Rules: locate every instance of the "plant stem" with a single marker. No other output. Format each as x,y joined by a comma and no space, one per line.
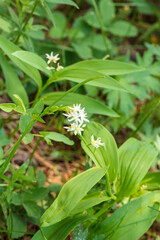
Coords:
101,26
29,17
108,185
109,205
9,158
39,140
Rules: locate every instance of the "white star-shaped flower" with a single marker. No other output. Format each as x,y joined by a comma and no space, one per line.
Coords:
96,143
52,58
75,128
76,107
59,67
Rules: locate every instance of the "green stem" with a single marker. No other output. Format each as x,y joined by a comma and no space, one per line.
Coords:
108,185
9,158
82,138
40,139
101,26
29,17
104,209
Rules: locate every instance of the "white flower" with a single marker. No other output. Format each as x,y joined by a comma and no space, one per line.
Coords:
77,114
73,116
157,143
55,58
83,115
52,58
50,68
96,143
76,107
59,67
75,128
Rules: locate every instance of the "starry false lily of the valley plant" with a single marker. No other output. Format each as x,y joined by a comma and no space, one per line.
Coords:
124,182
115,175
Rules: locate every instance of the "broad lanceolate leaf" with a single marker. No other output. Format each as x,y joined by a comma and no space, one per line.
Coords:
8,47
81,74
60,230
107,67
132,220
67,2
104,156
135,158
32,59
57,137
12,82
91,105
70,195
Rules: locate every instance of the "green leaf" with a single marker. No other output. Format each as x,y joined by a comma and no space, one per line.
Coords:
135,158
91,19
23,123
107,10
83,50
89,201
57,137
104,156
152,181
35,194
3,138
70,195
132,220
32,209
5,25
58,30
48,11
1,152
61,230
123,28
107,67
12,82
38,107
20,102
80,233
8,47
96,41
28,138
81,74
91,105
32,59
67,2
19,226
7,107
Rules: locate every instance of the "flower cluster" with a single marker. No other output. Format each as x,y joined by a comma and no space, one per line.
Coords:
77,116
96,143
53,60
